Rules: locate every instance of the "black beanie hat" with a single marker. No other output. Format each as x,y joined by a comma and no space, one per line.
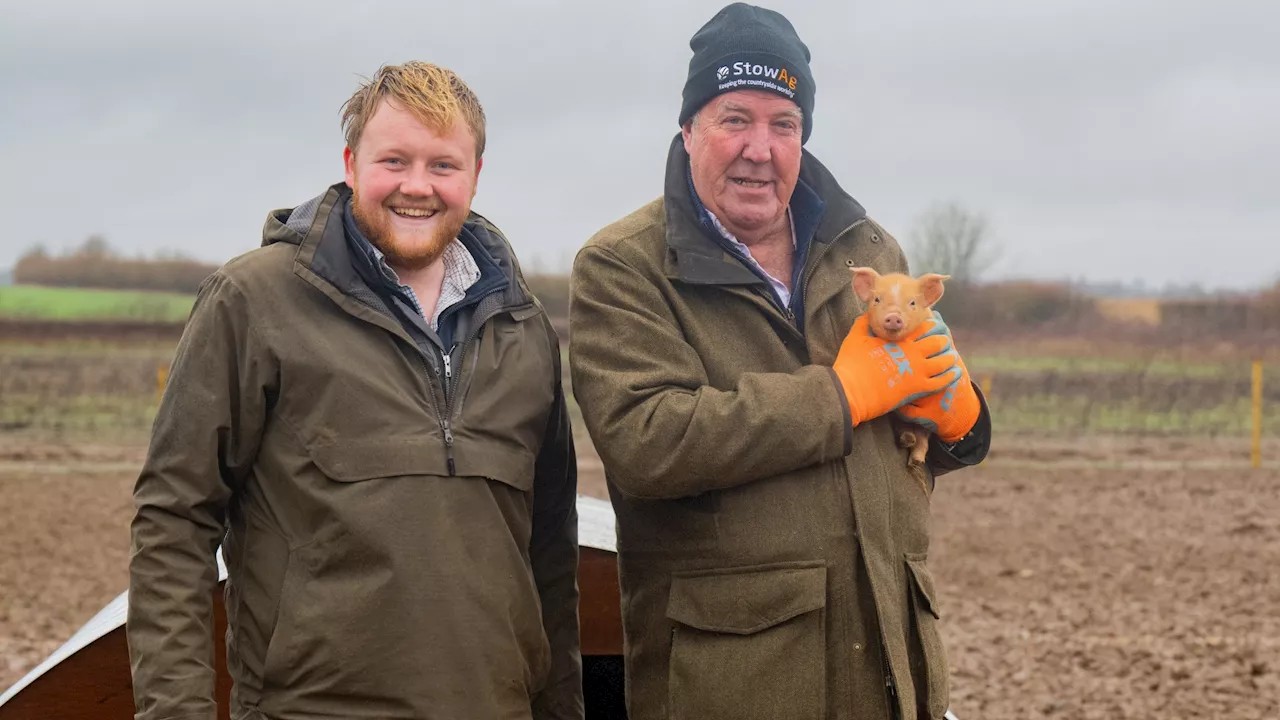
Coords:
745,47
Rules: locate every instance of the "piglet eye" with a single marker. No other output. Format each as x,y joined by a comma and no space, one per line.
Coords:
877,301
913,303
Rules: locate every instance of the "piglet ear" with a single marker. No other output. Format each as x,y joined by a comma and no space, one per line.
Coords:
931,287
864,283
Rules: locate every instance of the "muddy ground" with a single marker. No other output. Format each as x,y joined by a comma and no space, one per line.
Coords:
1070,587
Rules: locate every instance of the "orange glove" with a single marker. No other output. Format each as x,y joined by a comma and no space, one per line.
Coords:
879,376
950,414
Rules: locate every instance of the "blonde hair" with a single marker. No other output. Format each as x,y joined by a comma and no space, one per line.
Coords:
436,96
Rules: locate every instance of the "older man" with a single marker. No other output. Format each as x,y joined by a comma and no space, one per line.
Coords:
366,412
772,542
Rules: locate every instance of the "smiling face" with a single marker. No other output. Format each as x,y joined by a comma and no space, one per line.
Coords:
412,186
745,149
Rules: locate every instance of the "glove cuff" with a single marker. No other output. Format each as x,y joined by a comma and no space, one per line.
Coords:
963,415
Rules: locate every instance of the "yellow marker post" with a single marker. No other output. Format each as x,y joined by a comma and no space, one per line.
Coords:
162,378
1256,459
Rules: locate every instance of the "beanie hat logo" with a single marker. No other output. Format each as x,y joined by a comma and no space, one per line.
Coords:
745,47
758,75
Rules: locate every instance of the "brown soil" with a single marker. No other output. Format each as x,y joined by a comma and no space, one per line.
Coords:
64,544
1069,589
119,330
1099,593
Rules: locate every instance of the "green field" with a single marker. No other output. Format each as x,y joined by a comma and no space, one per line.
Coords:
91,387
990,363
30,302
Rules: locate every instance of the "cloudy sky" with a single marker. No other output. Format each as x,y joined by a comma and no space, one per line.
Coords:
1104,139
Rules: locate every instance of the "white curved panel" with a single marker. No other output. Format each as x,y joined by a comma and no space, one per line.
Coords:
595,530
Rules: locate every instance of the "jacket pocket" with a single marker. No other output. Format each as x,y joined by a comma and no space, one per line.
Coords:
748,643
925,615
506,329
276,661
357,461
521,314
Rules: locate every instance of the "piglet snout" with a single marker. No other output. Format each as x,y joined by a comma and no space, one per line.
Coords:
893,322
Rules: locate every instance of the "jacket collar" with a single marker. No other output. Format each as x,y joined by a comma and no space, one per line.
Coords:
698,257
373,267
324,249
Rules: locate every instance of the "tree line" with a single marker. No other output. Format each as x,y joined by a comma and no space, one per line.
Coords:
94,264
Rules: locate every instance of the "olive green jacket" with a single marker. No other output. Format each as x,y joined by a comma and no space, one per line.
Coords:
400,539
772,558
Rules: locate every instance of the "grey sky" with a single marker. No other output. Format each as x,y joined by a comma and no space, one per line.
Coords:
1105,139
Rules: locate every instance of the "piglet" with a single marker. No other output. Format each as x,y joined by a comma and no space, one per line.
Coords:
896,305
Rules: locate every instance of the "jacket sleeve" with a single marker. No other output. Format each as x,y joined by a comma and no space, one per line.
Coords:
965,452
553,553
203,441
660,426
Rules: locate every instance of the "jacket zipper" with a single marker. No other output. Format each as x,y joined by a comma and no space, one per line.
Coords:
449,384
441,418
447,358
448,429
890,689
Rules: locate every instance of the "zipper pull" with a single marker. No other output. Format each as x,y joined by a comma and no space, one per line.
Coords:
448,446
448,362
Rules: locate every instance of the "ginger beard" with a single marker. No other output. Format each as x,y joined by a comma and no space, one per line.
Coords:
412,248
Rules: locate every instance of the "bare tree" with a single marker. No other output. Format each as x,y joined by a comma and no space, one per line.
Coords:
95,246
951,240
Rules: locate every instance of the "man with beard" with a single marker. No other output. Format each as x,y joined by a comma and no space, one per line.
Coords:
366,413
772,542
